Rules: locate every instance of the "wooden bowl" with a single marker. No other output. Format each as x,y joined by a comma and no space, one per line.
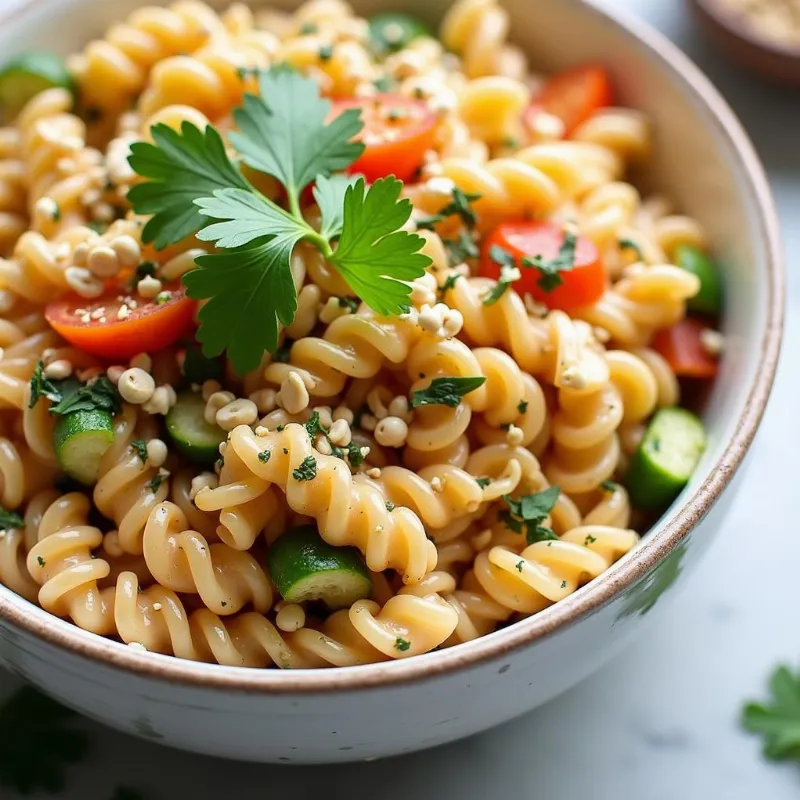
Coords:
775,61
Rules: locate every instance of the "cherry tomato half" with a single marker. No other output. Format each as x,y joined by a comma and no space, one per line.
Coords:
149,327
582,285
575,95
682,347
397,132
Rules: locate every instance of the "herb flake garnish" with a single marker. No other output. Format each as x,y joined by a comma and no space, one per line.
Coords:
629,244
307,470
264,456
69,395
10,520
460,206
139,446
509,272
609,486
446,391
527,514
483,482
402,644
551,268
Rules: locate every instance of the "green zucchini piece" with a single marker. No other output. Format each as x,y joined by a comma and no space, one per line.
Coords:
304,567
81,440
393,31
666,458
192,436
25,76
709,299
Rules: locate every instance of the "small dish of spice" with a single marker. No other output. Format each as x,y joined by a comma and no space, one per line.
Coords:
761,35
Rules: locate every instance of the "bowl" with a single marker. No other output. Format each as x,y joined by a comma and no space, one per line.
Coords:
705,161
776,61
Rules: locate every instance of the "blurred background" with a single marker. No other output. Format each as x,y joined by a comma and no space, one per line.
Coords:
661,721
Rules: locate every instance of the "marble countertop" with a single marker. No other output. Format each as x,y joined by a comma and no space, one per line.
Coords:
658,723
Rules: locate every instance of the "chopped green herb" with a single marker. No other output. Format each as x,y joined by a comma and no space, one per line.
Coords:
402,644
446,391
552,268
155,483
40,561
307,28
563,584
589,540
527,514
354,454
778,720
461,249
163,297
460,206
390,506
522,406
139,446
286,451
326,52
97,226
314,426
307,469
264,456
483,482
70,395
280,428
609,486
520,565
448,284
510,142
10,520
37,743
350,303
628,244
508,273
382,84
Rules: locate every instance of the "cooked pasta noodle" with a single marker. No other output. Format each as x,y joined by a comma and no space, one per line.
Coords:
373,485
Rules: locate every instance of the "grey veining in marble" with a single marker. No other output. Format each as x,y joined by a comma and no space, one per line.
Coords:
660,722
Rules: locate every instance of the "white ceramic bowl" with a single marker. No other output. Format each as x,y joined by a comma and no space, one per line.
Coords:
705,161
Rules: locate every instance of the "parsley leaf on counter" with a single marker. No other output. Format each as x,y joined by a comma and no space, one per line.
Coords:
527,514
37,742
446,391
182,167
778,721
373,254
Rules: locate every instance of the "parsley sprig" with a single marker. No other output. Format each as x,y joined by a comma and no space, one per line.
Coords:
446,391
778,721
508,273
527,514
194,187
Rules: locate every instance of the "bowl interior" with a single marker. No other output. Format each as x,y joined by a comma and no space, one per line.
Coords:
702,161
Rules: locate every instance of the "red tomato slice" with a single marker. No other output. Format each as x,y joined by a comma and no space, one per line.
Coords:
575,95
147,328
397,132
582,285
682,346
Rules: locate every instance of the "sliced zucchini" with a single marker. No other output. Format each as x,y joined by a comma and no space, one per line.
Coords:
192,435
304,567
25,76
709,299
666,458
81,440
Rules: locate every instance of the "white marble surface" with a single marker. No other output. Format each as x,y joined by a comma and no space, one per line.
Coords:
660,722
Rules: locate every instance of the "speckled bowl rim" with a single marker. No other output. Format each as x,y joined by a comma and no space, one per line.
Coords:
735,27
22,614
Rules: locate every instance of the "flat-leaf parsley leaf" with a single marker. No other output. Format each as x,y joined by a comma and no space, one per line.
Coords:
446,391
778,721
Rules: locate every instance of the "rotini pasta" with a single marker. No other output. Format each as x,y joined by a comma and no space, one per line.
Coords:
262,405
